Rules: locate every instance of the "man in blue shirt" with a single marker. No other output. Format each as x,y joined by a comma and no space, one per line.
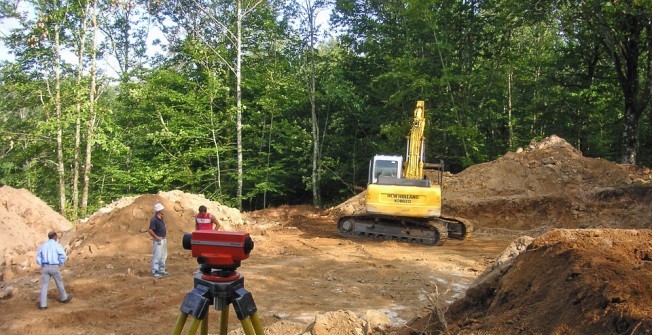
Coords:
50,256
158,231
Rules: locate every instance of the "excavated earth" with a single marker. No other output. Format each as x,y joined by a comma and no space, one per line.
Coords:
562,245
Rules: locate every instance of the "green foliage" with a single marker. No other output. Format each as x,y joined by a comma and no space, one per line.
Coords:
172,118
494,75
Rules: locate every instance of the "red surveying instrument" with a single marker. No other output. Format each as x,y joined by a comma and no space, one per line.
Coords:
219,254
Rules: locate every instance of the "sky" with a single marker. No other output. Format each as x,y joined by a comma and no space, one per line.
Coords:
108,64
5,27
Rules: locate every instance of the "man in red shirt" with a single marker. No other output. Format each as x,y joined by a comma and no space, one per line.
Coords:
205,221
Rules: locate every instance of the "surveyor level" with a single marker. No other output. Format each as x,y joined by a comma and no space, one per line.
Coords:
221,292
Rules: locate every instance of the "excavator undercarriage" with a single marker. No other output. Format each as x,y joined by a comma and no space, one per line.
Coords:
422,231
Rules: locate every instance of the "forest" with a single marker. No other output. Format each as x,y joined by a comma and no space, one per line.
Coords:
259,103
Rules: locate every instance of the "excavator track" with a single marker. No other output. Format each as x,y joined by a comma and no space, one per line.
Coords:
410,230
457,229
430,232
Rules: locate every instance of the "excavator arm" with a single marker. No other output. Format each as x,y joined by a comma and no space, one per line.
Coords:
415,145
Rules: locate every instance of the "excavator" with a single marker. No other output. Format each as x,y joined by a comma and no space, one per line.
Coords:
401,203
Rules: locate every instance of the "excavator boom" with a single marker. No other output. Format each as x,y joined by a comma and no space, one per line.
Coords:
415,144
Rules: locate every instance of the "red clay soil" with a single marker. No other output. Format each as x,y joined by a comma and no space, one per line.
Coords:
594,281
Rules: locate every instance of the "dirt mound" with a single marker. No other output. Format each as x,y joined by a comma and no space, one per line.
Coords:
354,205
279,216
551,166
122,226
550,185
25,221
593,281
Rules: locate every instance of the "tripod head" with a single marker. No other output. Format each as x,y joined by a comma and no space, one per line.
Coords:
219,253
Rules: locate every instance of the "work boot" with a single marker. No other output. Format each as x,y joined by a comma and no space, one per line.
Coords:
67,299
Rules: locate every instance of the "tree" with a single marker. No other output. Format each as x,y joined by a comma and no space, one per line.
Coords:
417,50
125,32
47,34
308,11
78,16
625,30
215,29
92,111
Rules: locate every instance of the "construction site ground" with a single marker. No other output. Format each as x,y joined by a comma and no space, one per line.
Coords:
562,245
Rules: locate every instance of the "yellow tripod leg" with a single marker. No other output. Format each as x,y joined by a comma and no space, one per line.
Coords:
224,321
255,321
193,326
203,326
247,326
181,320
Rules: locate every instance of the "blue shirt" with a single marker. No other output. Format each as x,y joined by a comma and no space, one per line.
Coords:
157,226
52,253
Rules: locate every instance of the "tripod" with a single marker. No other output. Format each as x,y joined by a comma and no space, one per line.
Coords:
220,289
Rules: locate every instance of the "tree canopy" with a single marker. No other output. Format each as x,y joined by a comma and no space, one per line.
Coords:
256,103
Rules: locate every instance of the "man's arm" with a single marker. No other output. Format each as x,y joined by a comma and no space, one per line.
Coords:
39,257
215,222
62,255
151,233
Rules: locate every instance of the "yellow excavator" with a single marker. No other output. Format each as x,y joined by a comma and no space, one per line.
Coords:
401,203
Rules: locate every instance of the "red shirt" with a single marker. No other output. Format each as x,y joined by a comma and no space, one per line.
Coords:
203,221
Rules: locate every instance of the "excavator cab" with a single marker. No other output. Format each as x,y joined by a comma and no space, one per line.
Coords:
384,166
390,193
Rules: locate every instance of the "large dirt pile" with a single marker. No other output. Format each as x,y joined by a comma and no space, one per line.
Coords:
25,221
593,281
122,226
112,231
550,185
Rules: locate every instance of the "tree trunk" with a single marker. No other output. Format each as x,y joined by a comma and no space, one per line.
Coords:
238,90
80,67
75,178
510,128
269,155
630,134
628,76
92,114
218,177
626,54
316,179
57,104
